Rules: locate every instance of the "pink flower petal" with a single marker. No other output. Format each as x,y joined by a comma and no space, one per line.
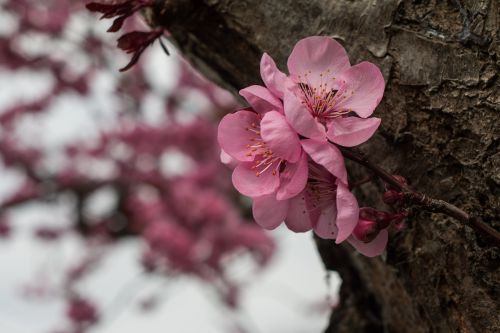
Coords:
225,157
348,212
301,119
298,218
261,99
269,212
328,156
364,86
352,131
273,78
372,249
314,56
248,183
293,179
326,227
233,135
280,137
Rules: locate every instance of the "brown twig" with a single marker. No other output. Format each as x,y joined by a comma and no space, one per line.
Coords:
420,199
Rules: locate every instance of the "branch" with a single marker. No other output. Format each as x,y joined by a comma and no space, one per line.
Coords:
420,199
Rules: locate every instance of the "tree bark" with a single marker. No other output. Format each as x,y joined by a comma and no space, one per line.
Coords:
440,130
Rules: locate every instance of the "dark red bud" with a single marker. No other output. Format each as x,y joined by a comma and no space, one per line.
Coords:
368,213
399,217
385,219
121,11
379,218
392,197
400,179
136,42
366,230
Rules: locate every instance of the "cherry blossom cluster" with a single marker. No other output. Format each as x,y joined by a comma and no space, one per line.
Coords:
188,222
284,146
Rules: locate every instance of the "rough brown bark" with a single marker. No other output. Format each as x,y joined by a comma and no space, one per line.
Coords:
440,130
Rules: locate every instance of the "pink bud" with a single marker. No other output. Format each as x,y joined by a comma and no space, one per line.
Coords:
366,230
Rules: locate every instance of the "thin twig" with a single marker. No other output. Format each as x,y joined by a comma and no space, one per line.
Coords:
420,199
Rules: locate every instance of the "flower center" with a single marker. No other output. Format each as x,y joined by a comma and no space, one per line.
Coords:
322,97
264,157
267,162
321,187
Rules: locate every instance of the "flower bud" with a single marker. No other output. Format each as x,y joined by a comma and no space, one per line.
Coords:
379,218
400,179
391,197
366,230
384,219
398,219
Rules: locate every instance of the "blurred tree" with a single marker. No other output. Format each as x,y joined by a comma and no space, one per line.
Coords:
187,219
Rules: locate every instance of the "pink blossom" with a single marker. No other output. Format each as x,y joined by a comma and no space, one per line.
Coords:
245,236
197,207
323,90
171,242
227,159
373,248
269,154
261,99
82,311
325,205
27,191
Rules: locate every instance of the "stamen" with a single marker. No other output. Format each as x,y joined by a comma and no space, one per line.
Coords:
264,157
322,101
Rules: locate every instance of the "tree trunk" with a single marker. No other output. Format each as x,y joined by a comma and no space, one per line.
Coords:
440,130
